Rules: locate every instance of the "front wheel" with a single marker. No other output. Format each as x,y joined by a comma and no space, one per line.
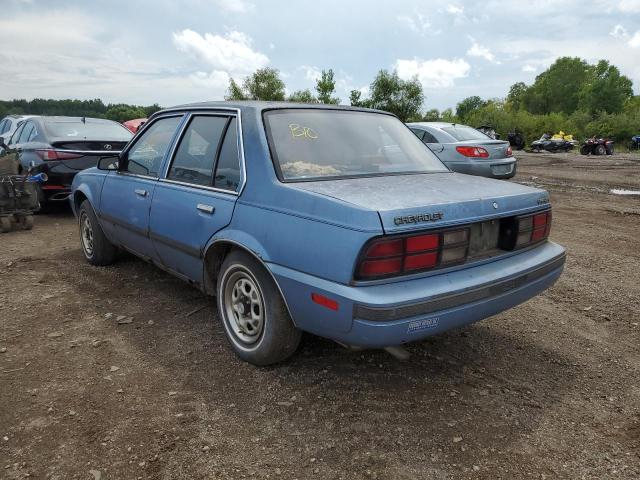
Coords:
253,313
600,150
97,249
584,150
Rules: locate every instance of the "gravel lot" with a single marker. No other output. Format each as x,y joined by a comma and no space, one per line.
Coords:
124,372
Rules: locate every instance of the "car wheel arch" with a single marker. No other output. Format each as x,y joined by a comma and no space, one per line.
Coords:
213,258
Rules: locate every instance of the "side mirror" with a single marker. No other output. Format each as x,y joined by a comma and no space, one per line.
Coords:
108,163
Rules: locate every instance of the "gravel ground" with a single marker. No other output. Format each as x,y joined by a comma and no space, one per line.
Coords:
124,372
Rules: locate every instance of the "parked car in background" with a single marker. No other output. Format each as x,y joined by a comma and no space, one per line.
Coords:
135,124
466,150
61,147
9,124
332,220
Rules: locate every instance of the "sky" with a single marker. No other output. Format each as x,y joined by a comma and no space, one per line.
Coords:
178,51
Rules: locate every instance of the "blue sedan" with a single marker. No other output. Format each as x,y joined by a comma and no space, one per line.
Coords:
332,220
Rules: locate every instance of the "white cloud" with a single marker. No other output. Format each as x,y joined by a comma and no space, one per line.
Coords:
634,42
619,32
311,73
629,6
235,6
231,53
433,73
529,68
477,50
455,9
417,23
216,80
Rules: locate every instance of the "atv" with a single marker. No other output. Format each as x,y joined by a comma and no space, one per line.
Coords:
516,140
597,146
635,143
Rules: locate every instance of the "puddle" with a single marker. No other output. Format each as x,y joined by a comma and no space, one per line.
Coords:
620,191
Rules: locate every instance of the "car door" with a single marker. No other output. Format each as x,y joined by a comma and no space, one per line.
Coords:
126,194
197,196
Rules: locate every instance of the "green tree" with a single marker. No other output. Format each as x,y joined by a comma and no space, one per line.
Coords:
432,115
468,106
558,88
448,116
356,100
606,89
403,98
326,86
263,84
517,93
121,113
302,96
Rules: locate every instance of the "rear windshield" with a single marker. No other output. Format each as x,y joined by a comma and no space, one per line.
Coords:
320,144
462,133
90,129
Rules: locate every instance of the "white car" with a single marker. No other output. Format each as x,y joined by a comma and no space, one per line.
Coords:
9,124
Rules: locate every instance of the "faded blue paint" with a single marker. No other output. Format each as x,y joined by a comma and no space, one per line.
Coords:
309,234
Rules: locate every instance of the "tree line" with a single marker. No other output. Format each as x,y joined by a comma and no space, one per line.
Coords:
571,95
119,112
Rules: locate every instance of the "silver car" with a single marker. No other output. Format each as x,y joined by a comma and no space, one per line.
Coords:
466,150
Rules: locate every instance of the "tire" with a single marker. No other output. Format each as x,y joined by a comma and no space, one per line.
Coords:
5,224
26,222
97,249
610,150
267,334
600,150
584,150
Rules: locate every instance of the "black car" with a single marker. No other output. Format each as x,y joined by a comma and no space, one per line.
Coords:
61,147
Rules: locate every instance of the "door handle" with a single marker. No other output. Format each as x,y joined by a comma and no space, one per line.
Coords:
140,192
205,208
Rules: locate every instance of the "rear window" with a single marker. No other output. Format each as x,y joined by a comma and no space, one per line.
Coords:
90,129
463,133
310,144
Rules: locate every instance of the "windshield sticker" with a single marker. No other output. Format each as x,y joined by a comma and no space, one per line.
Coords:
302,132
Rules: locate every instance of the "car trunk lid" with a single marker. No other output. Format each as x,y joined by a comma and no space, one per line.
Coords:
82,154
408,203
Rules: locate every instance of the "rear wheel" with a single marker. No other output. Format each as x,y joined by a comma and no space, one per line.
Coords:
253,313
97,249
5,224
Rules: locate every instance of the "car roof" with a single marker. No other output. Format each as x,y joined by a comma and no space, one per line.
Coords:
257,107
65,119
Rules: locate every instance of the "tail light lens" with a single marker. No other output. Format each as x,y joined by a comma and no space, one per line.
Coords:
509,151
533,228
51,154
386,257
473,152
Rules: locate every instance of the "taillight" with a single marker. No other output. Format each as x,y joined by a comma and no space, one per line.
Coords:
385,257
473,152
509,151
533,228
51,154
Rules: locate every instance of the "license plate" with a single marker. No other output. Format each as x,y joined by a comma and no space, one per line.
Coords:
501,169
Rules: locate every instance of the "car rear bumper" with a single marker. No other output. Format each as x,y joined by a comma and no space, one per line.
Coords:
407,311
504,168
57,188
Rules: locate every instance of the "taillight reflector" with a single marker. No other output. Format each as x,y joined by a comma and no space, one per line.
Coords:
473,152
533,228
324,301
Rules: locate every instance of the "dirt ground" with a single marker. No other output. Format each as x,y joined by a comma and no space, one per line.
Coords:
550,389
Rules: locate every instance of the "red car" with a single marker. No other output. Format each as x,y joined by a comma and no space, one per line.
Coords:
134,124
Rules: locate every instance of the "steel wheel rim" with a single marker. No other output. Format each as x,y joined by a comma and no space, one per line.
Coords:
244,307
86,234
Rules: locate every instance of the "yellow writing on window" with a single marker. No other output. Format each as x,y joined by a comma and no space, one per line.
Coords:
298,131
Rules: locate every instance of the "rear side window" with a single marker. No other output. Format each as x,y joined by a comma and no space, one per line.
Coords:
419,133
27,133
5,125
195,158
16,134
462,133
429,138
146,155
228,169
